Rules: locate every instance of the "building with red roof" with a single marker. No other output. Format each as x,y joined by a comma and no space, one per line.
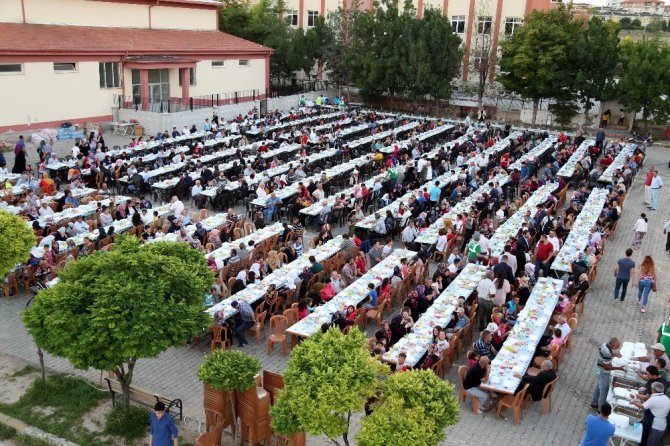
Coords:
75,60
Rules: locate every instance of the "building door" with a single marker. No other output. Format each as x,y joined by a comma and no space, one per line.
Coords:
159,89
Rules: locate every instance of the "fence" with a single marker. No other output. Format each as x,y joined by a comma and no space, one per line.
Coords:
175,105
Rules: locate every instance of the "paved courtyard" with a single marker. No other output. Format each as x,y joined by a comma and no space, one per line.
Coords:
174,372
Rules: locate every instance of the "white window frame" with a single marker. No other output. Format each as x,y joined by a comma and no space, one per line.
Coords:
244,63
292,16
514,23
13,73
62,69
312,16
218,64
457,20
116,75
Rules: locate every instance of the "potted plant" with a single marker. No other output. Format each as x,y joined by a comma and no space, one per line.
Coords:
225,372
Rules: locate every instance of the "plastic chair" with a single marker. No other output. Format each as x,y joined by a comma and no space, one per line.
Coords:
514,402
11,285
463,394
572,322
220,337
291,316
546,396
259,327
278,326
376,313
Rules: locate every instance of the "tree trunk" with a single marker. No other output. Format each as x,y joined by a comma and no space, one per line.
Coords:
536,105
587,117
125,379
43,370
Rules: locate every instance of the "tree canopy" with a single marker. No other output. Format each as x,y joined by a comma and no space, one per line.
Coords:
328,377
110,309
644,84
16,240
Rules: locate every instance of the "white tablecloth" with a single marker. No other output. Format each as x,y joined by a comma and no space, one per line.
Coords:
580,233
569,167
517,351
354,294
618,162
415,344
536,152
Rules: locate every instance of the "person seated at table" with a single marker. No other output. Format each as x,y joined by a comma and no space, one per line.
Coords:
401,366
234,258
581,285
651,376
442,344
500,334
69,199
298,246
537,382
553,346
483,345
303,308
43,273
372,295
289,250
349,271
351,313
327,292
476,375
47,185
361,265
431,357
316,267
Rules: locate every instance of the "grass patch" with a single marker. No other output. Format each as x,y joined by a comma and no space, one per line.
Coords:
27,370
70,397
6,432
27,440
130,423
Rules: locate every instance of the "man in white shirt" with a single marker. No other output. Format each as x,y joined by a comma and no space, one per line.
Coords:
147,218
318,194
185,131
563,325
656,185
486,291
176,206
260,191
511,260
485,245
80,226
659,406
554,240
196,189
409,234
45,210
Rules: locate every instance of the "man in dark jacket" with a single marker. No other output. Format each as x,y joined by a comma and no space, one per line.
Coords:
539,381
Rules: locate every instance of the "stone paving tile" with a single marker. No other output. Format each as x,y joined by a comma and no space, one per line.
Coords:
174,372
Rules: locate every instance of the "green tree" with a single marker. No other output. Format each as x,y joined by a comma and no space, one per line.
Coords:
644,84
110,309
596,58
318,41
393,424
636,24
329,377
564,111
16,240
536,60
436,55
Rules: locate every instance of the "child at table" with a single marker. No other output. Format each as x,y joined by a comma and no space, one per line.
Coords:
442,344
473,358
500,334
401,366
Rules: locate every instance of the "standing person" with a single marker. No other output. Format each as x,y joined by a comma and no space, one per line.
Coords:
248,320
163,430
656,410
606,352
606,117
640,230
647,282
622,273
622,115
666,230
19,156
663,336
598,429
647,186
656,185
600,138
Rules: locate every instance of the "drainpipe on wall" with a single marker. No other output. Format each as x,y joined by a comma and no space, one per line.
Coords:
23,11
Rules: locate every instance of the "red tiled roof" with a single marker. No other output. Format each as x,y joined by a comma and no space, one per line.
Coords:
22,39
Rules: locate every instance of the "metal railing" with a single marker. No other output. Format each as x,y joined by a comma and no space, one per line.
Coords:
174,105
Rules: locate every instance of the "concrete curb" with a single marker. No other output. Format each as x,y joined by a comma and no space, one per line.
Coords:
31,431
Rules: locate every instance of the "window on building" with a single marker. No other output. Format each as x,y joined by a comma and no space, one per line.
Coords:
511,24
480,60
191,73
244,62
312,16
11,68
65,67
292,17
458,24
110,74
484,24
159,86
218,63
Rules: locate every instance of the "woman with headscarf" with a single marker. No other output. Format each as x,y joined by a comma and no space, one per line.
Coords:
101,236
272,260
397,278
400,325
200,232
47,185
20,157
